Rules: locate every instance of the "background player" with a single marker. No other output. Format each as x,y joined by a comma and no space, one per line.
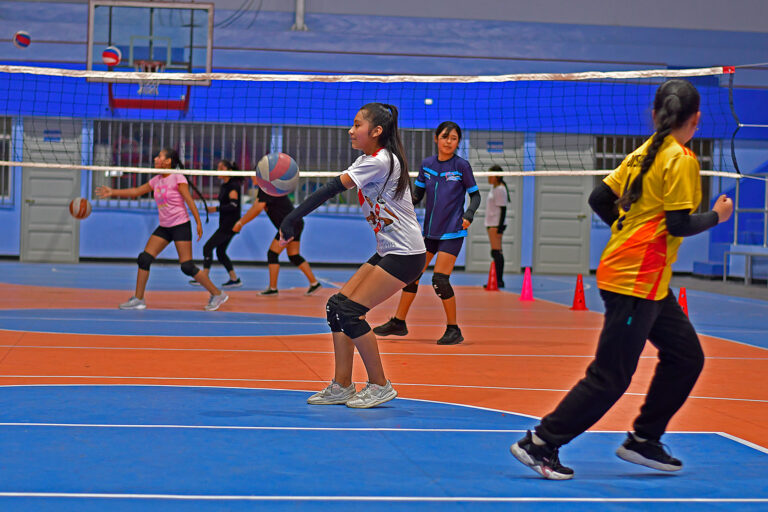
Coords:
445,178
277,209
171,193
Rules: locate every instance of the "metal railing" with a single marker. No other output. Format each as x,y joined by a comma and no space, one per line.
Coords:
738,210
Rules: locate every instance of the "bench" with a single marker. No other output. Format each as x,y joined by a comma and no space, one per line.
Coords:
749,254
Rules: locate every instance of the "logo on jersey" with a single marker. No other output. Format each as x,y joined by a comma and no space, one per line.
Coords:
379,216
452,176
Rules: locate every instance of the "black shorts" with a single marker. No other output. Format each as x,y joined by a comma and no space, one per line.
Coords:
177,233
451,246
405,267
297,233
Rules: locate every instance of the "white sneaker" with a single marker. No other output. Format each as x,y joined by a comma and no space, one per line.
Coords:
333,394
134,303
215,301
372,395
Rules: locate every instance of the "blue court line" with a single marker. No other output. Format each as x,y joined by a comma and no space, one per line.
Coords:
161,322
389,456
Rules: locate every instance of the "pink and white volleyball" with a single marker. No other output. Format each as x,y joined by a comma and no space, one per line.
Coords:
277,174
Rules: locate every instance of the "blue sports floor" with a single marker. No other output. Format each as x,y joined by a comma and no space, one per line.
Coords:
207,411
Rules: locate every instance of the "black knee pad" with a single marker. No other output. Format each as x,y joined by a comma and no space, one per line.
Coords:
442,285
413,287
189,268
145,260
331,310
296,259
272,257
348,314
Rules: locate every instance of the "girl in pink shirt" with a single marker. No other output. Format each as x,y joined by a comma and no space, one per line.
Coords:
172,196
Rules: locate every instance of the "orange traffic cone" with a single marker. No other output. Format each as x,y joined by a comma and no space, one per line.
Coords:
683,301
493,285
578,296
527,292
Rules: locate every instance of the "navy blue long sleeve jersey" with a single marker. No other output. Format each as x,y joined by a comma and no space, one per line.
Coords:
446,184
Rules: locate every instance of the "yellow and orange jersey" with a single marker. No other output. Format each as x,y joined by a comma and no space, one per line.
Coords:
638,258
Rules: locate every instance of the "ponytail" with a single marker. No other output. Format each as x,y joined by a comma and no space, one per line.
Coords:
497,168
176,163
385,115
675,102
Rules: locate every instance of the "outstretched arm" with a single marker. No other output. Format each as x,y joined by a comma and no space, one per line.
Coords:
105,192
256,208
334,187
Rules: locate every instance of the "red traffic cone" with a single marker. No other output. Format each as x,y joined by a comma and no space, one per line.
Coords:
527,292
683,301
578,296
493,285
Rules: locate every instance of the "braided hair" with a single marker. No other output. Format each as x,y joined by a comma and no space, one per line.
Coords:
385,115
675,102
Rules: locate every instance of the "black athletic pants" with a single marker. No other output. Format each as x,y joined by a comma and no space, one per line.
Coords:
629,321
220,240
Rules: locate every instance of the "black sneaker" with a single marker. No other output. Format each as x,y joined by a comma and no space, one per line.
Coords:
452,336
542,459
395,327
269,291
313,288
233,283
648,453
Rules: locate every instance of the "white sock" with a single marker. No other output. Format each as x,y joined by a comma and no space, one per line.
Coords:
638,438
537,440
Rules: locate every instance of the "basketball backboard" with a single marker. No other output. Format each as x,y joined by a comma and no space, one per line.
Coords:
180,35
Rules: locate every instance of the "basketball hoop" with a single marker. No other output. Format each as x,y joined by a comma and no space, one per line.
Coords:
148,86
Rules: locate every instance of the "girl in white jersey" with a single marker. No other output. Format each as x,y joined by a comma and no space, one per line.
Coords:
384,192
495,217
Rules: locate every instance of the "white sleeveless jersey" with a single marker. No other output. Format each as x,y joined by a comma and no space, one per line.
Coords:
393,220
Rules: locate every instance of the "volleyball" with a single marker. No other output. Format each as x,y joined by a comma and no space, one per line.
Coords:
79,208
111,56
277,174
21,39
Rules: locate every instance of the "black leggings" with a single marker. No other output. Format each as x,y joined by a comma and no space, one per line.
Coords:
629,321
220,240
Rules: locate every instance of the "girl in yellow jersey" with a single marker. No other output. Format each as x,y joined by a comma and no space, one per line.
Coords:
649,203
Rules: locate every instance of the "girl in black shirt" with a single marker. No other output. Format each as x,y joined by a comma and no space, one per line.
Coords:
230,194
277,209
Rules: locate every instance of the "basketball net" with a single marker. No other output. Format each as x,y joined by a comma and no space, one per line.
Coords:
148,86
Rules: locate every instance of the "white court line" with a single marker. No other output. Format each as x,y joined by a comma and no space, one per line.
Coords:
291,428
460,386
744,442
265,351
442,499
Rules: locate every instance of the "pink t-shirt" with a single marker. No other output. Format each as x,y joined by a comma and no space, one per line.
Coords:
170,203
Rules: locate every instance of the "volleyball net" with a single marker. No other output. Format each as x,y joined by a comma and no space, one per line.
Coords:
114,123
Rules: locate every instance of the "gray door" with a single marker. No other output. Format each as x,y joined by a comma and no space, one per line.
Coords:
487,148
48,232
562,218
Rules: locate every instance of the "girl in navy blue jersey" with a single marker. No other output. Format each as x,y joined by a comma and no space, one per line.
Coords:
445,179
230,195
